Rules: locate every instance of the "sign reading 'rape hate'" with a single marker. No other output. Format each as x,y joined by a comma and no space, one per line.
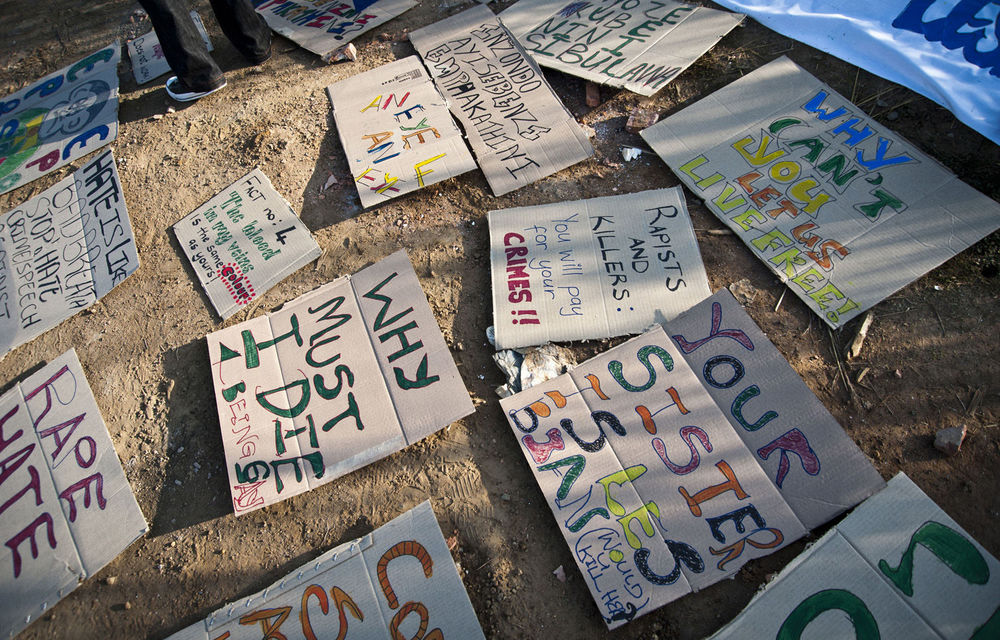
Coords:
62,117
593,268
897,567
244,241
338,378
397,582
147,57
63,250
637,44
843,210
397,131
648,472
518,128
323,26
66,509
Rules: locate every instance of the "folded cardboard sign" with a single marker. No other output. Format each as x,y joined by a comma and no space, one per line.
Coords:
519,130
593,268
66,509
843,210
337,378
673,459
397,131
244,241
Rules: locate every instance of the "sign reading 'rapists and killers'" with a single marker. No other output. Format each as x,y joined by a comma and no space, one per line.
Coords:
338,378
673,459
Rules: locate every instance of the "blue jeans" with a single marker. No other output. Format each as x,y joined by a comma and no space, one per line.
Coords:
184,49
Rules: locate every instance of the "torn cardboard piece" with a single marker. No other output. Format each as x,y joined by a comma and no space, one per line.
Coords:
63,250
67,509
641,434
387,584
841,209
146,54
60,118
896,567
244,241
519,130
324,27
593,268
337,378
641,47
396,131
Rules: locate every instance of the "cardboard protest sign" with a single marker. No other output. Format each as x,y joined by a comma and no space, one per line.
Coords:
147,55
62,117
639,45
843,210
244,241
325,26
897,567
66,509
300,406
398,581
397,131
639,434
593,268
63,250
518,128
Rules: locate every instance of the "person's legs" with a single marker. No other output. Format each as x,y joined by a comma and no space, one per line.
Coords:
245,28
182,45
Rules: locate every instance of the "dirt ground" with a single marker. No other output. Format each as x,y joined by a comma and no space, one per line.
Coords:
930,359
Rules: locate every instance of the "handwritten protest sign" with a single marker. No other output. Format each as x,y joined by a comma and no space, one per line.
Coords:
147,55
325,26
63,250
843,210
593,268
62,117
897,567
639,45
649,473
518,128
66,509
244,241
397,131
299,406
398,581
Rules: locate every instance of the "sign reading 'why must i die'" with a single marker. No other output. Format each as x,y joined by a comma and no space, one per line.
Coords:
518,128
337,378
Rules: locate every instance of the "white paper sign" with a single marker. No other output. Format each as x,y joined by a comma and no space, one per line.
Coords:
147,55
66,509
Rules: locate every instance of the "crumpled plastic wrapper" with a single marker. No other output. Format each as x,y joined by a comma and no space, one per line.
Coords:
528,366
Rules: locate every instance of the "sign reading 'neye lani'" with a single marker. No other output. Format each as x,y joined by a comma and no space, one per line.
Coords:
518,128
637,44
244,241
593,268
337,378
63,250
397,131
675,458
843,210
66,509
62,117
399,581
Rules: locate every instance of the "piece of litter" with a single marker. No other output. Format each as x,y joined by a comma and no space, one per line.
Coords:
949,441
347,52
631,153
491,335
593,94
332,180
641,119
560,574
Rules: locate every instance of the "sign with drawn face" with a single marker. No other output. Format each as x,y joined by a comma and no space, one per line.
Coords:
593,268
63,250
397,131
66,509
838,207
244,241
338,378
518,128
62,117
896,567
639,45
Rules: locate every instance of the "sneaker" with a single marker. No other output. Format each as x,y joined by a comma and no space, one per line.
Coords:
179,91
